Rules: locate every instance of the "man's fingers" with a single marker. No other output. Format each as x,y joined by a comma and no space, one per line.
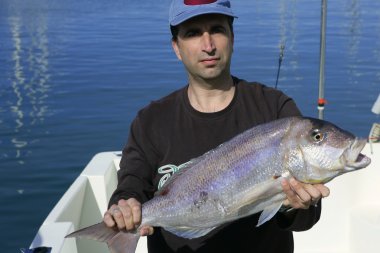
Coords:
126,214
317,192
119,217
136,211
300,191
144,231
292,198
132,202
126,217
299,195
324,190
136,214
302,195
313,191
108,220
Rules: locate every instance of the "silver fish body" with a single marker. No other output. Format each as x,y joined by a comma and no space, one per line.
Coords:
242,177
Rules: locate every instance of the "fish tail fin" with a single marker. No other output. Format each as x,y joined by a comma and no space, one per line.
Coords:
117,241
123,243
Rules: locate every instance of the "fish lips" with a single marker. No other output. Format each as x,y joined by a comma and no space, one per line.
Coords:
354,159
361,162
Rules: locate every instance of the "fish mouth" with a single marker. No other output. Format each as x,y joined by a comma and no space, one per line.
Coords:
354,159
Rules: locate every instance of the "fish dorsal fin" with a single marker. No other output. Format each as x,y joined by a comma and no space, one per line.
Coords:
189,233
268,213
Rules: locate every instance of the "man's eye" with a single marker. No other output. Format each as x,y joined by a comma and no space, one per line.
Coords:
190,34
219,29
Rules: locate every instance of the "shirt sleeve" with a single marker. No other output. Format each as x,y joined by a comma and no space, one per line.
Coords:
136,166
303,219
287,107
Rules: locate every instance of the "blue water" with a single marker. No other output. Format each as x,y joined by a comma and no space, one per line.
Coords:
74,73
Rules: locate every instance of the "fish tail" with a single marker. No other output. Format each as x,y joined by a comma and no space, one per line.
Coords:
123,243
117,241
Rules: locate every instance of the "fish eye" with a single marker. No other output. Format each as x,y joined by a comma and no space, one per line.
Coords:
317,136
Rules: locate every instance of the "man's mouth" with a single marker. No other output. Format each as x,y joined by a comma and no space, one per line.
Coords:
210,61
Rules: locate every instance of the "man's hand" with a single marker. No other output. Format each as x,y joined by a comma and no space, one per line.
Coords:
126,215
301,195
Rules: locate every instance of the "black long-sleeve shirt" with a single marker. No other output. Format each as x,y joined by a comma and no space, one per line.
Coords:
171,131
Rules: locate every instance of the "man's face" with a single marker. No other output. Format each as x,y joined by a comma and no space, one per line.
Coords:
204,44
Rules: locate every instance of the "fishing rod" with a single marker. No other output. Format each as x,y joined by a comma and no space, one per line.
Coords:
282,48
321,90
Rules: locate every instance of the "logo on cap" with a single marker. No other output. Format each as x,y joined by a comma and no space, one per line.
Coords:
198,2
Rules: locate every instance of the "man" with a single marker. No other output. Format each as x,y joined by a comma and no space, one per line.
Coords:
211,109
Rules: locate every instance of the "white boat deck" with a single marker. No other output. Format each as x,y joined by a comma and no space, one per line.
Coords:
350,221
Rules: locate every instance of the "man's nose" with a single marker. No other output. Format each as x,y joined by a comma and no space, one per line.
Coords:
208,45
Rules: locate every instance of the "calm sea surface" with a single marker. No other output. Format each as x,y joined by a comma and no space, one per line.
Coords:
74,73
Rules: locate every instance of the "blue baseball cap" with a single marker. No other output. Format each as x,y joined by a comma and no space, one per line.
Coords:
182,10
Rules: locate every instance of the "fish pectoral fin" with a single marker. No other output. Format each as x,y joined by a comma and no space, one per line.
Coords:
189,232
268,213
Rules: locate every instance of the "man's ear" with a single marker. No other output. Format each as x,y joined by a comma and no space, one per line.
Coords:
176,49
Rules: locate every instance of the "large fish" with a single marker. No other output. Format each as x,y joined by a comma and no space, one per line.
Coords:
242,177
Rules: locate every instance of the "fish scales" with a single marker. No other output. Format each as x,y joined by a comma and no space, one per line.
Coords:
231,170
242,177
